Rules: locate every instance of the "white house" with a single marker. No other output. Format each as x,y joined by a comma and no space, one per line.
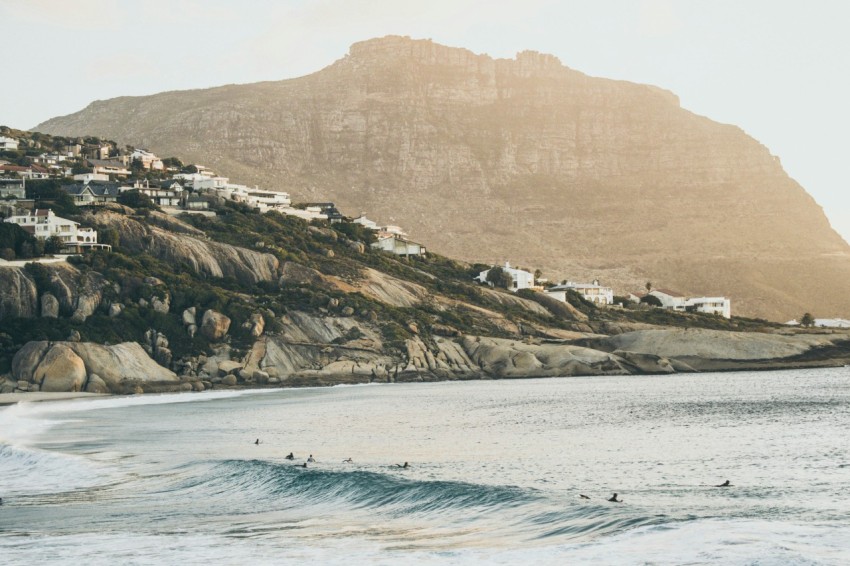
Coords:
267,200
592,292
148,159
679,302
363,221
7,143
399,246
43,224
824,323
110,167
520,279
309,213
12,188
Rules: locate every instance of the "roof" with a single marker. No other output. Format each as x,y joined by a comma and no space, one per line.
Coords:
106,163
668,292
97,188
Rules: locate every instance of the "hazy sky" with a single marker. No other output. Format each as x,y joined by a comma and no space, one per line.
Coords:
778,69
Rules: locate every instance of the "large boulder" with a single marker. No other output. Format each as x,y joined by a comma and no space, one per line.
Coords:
63,366
61,369
214,325
255,325
49,306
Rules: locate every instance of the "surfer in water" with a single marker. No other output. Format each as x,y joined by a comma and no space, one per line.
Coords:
257,441
613,499
404,467
304,465
311,459
724,484
290,456
583,496
348,461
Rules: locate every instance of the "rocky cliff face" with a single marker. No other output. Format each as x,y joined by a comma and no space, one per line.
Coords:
521,159
201,257
68,292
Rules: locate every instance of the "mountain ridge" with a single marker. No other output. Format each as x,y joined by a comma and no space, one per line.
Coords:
516,159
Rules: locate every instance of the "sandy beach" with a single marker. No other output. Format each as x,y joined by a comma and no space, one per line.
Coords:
12,398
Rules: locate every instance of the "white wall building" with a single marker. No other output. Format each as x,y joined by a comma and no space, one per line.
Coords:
678,302
7,143
399,246
43,224
12,188
520,279
148,159
591,292
363,221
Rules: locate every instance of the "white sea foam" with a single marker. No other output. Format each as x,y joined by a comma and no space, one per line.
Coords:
699,542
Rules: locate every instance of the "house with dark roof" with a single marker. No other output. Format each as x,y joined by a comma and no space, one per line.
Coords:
92,193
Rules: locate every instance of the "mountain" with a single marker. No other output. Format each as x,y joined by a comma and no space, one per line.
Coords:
524,160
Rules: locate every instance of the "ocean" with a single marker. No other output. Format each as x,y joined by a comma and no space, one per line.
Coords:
497,470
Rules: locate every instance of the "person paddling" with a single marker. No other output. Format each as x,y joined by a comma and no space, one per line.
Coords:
724,484
257,441
290,456
613,499
404,467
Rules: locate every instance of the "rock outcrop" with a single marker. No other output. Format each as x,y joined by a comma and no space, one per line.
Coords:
68,292
19,297
83,366
214,325
522,159
202,257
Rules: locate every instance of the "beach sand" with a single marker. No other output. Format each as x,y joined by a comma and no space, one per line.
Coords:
12,398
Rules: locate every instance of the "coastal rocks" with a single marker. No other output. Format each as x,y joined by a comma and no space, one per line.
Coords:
69,366
255,325
115,309
201,256
60,370
19,296
161,305
292,273
96,385
156,345
190,322
214,325
712,350
49,306
502,358
326,234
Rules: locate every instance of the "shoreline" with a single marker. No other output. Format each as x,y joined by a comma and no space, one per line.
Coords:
7,399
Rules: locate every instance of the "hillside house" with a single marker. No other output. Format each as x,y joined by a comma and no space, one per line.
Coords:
92,193
365,222
12,188
266,200
148,160
399,246
109,167
329,209
8,144
591,292
43,224
308,213
194,202
33,172
520,279
676,301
